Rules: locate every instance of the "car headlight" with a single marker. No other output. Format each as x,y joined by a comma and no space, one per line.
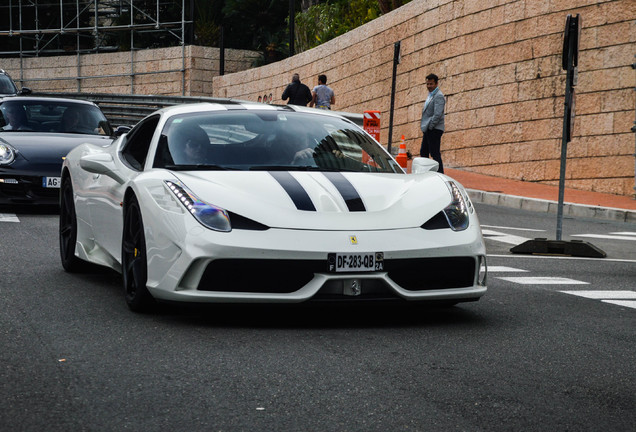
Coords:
208,215
7,154
457,211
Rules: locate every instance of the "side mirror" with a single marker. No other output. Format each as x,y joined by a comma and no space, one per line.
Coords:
25,91
105,127
421,165
101,163
120,130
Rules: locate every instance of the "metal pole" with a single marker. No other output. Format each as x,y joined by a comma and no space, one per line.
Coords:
95,27
222,51
291,27
61,17
396,60
77,41
191,32
37,26
132,50
634,130
21,47
183,62
567,131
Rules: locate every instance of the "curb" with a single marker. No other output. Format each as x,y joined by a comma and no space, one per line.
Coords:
546,206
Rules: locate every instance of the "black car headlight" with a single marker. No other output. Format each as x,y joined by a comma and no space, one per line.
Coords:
208,215
7,154
457,211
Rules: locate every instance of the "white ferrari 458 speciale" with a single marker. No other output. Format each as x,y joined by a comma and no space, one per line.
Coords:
244,202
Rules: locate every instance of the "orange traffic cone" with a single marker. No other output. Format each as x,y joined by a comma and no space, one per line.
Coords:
401,157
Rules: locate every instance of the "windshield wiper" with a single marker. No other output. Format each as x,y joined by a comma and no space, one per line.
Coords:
280,168
298,168
195,167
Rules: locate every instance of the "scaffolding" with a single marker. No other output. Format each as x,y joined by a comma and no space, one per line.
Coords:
37,28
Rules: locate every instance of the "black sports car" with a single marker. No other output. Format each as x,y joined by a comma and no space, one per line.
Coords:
8,87
36,133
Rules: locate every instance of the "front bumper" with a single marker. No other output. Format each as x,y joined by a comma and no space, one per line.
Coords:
26,189
290,266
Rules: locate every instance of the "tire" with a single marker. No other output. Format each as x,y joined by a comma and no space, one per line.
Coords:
68,228
134,261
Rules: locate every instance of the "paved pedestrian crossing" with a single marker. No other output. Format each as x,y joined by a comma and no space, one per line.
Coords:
501,234
629,236
543,280
620,298
624,298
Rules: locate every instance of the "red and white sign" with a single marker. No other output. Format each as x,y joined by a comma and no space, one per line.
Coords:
371,123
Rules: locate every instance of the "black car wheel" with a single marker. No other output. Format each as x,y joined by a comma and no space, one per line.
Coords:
133,259
68,228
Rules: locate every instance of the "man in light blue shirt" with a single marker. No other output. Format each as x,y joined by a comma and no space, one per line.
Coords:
322,95
432,124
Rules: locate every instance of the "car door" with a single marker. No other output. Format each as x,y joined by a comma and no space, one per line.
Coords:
108,194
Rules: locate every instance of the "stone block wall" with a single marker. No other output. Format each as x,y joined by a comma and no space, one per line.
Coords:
499,63
172,71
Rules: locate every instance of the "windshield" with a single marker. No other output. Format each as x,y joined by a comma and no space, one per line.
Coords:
52,116
268,140
6,86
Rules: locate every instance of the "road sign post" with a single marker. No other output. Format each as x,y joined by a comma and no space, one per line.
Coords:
569,62
569,59
396,61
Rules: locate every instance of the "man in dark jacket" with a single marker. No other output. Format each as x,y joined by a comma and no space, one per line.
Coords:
297,92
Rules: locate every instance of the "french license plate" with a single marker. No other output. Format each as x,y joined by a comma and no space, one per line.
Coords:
350,262
51,182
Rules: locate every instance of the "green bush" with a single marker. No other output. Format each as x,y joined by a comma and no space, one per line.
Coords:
326,21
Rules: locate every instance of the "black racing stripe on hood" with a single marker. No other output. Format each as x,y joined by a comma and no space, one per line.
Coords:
295,191
346,189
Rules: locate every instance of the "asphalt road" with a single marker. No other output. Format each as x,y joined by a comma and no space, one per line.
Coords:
534,354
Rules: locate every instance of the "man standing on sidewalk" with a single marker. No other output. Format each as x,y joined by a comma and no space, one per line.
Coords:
297,92
432,124
323,95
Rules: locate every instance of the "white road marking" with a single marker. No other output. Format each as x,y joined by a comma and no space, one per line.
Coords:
620,298
512,228
599,295
501,269
543,280
625,233
626,303
555,257
503,237
607,236
6,217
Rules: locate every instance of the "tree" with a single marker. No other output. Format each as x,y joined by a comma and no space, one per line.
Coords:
387,6
327,20
258,25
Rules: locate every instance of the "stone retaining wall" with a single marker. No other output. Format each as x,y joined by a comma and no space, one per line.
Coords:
172,71
500,67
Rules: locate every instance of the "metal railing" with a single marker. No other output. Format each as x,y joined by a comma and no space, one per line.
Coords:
127,110
90,22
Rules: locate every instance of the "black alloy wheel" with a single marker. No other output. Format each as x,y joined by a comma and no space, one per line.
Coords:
68,228
133,259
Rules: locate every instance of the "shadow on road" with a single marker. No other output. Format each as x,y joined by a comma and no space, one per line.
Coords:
309,315
30,209
322,315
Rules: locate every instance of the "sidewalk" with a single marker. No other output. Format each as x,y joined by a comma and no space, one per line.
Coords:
540,197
